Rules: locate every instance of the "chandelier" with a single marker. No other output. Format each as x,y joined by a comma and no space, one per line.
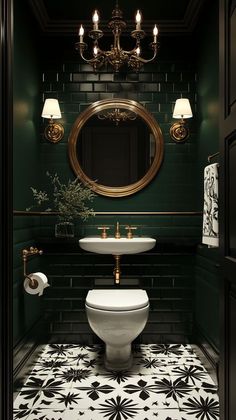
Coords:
116,56
117,116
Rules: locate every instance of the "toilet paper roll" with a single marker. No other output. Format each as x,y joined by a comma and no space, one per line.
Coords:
41,282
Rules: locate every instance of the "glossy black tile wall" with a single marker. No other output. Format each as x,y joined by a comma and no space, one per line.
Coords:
166,273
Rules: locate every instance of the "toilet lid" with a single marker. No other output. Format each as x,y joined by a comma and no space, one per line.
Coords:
117,300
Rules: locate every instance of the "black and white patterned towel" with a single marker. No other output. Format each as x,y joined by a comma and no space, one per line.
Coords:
210,230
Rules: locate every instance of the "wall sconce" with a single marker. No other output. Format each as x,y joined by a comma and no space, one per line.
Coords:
54,130
179,131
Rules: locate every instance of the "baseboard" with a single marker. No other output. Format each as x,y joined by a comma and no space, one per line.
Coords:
207,347
27,345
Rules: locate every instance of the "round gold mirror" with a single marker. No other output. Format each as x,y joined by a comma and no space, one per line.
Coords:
116,146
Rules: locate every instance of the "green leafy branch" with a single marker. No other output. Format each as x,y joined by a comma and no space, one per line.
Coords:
70,200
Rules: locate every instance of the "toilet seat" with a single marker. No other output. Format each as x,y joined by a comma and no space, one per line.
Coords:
117,300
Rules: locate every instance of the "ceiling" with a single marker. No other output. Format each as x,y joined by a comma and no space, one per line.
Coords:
64,16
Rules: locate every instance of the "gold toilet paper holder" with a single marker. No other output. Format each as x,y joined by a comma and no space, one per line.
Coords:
33,283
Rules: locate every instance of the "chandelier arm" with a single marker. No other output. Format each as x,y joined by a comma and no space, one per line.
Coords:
100,52
94,59
131,52
143,60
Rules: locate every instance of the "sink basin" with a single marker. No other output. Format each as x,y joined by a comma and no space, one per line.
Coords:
117,246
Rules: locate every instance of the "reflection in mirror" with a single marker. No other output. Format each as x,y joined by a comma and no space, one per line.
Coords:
117,146
115,154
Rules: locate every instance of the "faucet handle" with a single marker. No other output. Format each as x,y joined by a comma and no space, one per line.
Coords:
104,231
130,233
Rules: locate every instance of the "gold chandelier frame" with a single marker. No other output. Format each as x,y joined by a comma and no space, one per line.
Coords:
116,56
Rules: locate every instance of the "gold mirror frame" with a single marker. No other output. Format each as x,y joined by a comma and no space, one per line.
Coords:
134,107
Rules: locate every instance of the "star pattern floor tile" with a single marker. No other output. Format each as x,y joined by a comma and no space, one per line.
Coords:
70,382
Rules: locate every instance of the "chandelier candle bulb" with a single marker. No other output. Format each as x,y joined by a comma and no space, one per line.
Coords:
95,20
138,51
81,33
155,33
138,21
95,51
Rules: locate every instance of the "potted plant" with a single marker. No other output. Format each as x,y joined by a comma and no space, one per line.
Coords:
69,200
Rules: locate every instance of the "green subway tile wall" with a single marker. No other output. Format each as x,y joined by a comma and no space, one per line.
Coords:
168,272
170,285
157,87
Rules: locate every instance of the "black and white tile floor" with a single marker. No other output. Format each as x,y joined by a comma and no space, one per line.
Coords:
69,382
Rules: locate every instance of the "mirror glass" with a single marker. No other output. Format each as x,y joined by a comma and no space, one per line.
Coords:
117,146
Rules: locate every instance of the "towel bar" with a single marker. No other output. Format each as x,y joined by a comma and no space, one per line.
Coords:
212,156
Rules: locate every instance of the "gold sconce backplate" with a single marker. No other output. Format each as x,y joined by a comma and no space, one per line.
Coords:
54,132
179,132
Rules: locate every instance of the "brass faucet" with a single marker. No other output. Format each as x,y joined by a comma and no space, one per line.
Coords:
117,232
104,231
130,233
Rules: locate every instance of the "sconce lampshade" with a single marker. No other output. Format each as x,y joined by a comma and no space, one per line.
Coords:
182,109
51,109
179,131
54,130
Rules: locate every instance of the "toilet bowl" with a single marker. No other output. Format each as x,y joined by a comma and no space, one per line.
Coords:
117,316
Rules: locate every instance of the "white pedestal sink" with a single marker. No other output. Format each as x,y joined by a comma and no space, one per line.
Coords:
117,247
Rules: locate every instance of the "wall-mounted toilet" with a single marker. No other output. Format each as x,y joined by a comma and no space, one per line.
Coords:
117,316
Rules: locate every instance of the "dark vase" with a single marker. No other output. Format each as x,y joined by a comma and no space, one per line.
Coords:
65,230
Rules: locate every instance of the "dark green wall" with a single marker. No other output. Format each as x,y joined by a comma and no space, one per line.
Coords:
166,274
26,159
175,188
207,260
26,84
157,87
